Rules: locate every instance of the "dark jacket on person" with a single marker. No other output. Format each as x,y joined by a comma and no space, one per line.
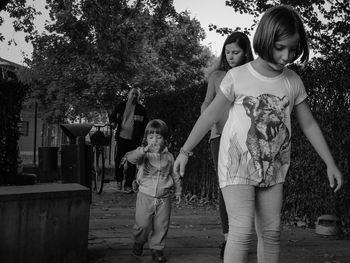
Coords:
140,120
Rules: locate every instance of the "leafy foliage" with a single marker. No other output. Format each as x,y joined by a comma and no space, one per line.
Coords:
95,50
327,22
180,110
326,78
12,94
307,194
24,17
307,191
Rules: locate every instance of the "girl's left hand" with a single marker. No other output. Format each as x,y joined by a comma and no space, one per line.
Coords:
334,173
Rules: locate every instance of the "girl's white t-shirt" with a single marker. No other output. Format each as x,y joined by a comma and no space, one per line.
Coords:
255,143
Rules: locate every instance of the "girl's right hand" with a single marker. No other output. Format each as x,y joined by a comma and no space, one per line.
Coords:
153,148
146,148
334,175
180,164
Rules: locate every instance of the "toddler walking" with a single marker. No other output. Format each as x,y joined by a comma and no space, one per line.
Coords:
155,178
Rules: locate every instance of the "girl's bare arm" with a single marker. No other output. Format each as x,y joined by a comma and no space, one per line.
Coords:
211,115
314,134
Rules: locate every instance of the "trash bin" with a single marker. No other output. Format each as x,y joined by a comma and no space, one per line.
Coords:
76,157
69,163
48,168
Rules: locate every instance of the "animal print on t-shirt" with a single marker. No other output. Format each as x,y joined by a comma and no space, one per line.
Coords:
268,135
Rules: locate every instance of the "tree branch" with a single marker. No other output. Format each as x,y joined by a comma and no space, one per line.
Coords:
3,4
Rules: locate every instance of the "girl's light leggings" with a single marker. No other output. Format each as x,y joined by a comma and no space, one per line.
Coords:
246,204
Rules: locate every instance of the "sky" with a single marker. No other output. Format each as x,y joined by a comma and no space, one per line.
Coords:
213,12
205,11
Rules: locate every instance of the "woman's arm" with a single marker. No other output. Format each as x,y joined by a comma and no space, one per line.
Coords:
211,115
213,84
210,94
314,134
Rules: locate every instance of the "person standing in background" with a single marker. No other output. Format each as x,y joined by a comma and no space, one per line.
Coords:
130,119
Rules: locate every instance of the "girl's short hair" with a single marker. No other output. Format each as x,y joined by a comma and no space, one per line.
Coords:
277,23
243,42
156,126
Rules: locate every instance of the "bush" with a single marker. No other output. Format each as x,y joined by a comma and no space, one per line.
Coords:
180,111
307,194
12,94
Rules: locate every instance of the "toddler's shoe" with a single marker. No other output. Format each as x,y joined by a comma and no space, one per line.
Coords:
137,249
158,256
116,185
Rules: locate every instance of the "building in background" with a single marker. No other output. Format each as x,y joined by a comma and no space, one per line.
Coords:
34,131
31,125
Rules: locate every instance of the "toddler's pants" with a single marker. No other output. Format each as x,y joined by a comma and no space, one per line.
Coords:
243,204
152,220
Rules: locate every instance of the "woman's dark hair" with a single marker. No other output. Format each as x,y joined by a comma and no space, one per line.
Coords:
277,23
243,42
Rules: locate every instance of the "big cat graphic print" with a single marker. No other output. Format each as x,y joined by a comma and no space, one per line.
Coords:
268,136
255,145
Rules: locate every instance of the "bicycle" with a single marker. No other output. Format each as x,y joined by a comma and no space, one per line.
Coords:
99,141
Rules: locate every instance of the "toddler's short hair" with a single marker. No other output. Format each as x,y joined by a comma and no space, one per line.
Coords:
156,126
276,23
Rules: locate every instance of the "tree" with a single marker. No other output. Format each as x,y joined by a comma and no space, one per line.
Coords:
327,22
95,49
24,17
328,26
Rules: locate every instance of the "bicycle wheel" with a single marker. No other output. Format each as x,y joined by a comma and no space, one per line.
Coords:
99,170
93,170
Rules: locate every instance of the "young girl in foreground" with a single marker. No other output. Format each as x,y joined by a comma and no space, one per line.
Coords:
155,179
254,153
235,52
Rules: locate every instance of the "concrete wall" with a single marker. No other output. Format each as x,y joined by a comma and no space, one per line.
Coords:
44,223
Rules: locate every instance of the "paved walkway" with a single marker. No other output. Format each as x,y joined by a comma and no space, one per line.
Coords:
194,236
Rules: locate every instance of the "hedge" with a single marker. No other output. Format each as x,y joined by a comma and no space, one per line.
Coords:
12,94
307,194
